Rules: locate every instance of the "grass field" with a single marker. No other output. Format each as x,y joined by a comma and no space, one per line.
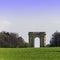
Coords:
30,53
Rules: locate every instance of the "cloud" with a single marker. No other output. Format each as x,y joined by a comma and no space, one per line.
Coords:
4,24
35,25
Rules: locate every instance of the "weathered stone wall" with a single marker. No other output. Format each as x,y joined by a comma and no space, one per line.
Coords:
41,35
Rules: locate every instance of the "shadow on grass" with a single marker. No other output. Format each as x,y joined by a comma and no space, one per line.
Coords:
57,51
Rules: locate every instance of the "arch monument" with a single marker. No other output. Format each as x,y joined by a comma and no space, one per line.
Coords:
41,35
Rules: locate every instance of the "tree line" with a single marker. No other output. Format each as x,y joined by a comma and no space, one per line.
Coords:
11,40
55,40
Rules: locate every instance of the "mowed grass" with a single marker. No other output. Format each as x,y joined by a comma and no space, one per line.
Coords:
30,53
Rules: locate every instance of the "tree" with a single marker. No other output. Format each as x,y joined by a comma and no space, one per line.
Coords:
55,40
26,45
11,40
20,42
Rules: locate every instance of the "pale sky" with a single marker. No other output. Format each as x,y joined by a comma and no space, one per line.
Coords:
23,16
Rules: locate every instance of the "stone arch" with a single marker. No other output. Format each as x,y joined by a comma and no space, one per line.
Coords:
41,35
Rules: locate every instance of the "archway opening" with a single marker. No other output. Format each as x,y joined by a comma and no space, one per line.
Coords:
37,42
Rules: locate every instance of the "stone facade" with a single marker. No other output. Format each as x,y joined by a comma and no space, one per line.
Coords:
41,35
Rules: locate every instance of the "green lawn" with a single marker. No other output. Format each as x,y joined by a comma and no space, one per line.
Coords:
30,53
